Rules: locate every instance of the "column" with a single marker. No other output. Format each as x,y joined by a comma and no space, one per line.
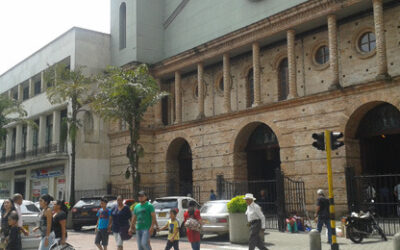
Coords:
256,74
9,141
333,51
18,139
178,98
380,40
291,64
42,131
227,83
9,94
42,82
56,127
31,88
20,92
200,88
158,108
29,138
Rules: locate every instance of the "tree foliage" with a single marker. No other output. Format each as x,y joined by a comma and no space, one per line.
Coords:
10,111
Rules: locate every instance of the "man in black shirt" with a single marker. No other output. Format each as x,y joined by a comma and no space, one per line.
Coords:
323,214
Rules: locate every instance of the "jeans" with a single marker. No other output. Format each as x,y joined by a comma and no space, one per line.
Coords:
196,245
142,237
327,223
51,242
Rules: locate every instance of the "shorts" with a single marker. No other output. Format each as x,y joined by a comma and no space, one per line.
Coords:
101,237
118,239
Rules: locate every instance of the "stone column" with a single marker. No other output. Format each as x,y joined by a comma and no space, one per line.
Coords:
291,64
380,40
56,127
333,52
256,76
42,82
158,109
31,88
178,98
200,88
9,141
227,83
29,138
18,139
42,131
20,92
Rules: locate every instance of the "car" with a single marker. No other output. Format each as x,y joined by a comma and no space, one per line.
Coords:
164,204
31,219
84,213
215,217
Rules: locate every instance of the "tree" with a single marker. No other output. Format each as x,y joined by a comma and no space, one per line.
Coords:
125,95
73,87
10,111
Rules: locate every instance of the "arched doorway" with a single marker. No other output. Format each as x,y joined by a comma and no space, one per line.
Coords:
179,168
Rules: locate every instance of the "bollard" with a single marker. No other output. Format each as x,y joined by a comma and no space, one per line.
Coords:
396,242
315,240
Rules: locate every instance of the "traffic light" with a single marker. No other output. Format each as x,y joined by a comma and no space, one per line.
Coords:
319,141
335,144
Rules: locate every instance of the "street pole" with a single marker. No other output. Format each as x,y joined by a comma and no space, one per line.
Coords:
334,245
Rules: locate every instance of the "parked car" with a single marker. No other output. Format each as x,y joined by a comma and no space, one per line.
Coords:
215,217
163,205
85,210
31,219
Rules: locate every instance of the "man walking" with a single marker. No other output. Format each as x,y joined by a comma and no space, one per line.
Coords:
144,218
18,199
256,219
323,214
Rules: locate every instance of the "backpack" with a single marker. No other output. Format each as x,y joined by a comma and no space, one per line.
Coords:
193,224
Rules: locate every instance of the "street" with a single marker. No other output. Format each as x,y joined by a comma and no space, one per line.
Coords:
275,240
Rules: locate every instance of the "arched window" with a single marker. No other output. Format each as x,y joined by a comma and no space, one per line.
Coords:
283,80
122,26
250,88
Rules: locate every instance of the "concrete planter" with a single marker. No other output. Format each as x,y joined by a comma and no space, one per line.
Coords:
238,229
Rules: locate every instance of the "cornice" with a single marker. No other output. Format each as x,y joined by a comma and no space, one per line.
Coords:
282,21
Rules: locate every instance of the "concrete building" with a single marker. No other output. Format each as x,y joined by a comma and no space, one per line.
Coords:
250,81
37,161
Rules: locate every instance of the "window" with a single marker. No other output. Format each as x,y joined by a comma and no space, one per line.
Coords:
4,148
122,26
24,134
283,80
164,110
367,42
13,141
15,95
36,135
49,130
37,87
322,55
123,126
250,88
25,93
221,84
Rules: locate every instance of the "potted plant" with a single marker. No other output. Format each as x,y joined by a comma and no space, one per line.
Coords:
238,229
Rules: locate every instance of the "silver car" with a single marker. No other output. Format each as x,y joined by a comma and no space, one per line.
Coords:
31,219
215,217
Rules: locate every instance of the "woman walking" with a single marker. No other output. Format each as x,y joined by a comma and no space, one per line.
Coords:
6,209
121,214
193,214
46,221
60,222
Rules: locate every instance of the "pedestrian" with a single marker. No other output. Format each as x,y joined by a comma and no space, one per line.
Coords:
60,223
213,197
256,220
18,199
6,209
322,214
103,226
144,218
262,201
121,214
193,231
46,221
173,231
14,237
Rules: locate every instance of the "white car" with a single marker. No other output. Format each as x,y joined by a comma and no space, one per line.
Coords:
31,219
162,206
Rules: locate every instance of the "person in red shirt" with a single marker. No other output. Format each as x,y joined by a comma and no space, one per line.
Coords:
193,235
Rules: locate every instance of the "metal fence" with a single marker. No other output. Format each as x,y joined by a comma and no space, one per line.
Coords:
49,149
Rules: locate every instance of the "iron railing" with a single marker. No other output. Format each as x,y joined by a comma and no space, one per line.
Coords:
49,149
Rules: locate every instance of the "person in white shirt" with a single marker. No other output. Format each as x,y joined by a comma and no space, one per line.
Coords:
256,219
17,198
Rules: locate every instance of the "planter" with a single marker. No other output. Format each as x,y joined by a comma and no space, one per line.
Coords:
238,229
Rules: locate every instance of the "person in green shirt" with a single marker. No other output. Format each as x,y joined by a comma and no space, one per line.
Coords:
173,231
144,218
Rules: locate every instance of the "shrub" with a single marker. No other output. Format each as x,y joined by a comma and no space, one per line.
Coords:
237,205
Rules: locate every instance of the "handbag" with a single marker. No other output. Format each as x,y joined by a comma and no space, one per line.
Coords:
124,233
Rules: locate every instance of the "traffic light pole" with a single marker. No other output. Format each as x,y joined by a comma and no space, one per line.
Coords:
334,243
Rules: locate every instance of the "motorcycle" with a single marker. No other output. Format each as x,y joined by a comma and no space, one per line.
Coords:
362,225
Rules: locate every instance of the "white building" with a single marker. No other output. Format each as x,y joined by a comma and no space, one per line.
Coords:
37,161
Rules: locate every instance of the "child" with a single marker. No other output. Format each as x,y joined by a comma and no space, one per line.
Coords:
173,231
103,226
14,238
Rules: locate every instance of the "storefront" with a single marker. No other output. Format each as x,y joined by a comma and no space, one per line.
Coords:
5,187
48,181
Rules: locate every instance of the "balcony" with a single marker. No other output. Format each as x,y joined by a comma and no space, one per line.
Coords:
53,150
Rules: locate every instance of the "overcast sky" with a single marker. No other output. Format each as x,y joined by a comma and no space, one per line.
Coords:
28,25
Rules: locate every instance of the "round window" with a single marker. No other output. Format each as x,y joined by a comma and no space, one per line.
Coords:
221,84
322,55
367,42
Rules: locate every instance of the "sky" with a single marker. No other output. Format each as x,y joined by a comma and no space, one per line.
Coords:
28,25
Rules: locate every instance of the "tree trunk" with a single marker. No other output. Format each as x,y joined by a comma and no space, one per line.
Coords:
73,148
133,155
